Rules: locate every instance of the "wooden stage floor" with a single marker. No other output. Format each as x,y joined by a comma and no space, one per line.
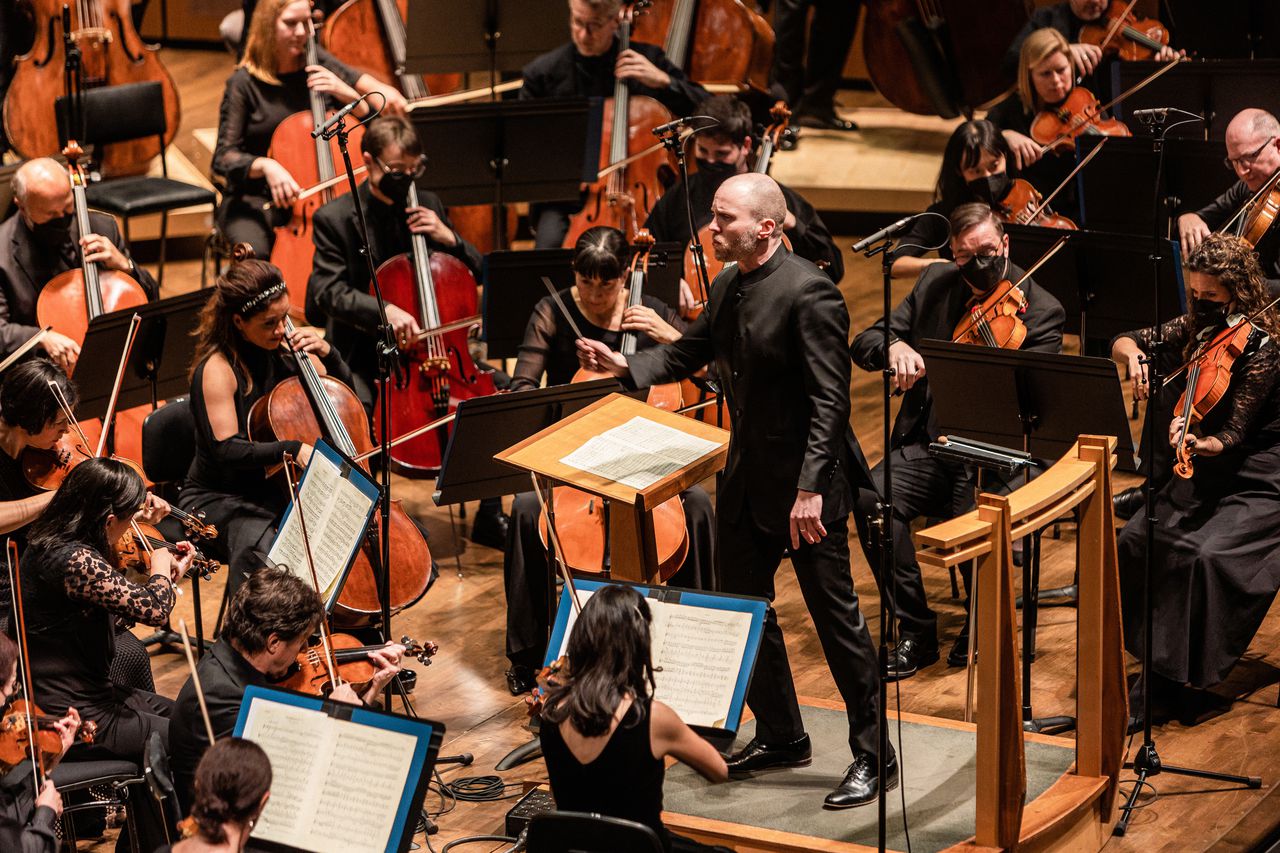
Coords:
464,612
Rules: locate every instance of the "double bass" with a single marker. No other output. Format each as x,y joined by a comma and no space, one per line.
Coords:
111,54
717,42
439,372
370,35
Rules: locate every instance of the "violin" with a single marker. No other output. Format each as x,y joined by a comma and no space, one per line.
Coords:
1208,378
1024,205
310,672
549,676
309,406
1079,114
718,42
24,725
1121,33
134,549
996,321
632,167
439,372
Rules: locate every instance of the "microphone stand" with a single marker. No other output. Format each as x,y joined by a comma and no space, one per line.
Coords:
1147,762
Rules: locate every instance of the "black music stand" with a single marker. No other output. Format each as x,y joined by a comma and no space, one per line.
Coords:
499,152
1215,89
1100,279
1116,188
1225,29
1040,403
513,285
445,36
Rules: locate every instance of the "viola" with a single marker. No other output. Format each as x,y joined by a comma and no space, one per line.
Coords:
1021,203
996,320
1121,33
24,725
310,406
1252,222
112,53
439,372
632,167
1208,378
133,550
1079,114
549,676
310,672
719,42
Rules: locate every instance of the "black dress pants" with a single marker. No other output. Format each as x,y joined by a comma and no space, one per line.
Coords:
810,78
748,560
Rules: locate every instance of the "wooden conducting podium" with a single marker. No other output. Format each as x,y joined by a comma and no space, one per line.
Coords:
653,454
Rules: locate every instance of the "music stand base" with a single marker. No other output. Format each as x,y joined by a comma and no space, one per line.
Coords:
1049,725
521,754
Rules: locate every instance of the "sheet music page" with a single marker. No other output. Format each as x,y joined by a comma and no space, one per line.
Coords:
639,453
700,652
336,785
336,511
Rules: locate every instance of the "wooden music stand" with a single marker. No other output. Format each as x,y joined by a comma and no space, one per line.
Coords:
632,544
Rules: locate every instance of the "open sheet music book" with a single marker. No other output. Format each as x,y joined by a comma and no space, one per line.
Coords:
344,779
338,499
705,645
638,453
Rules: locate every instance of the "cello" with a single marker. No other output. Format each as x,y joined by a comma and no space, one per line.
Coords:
370,36
628,191
307,406
111,54
720,42
435,288
310,161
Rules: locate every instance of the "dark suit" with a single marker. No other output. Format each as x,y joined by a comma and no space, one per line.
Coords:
25,268
922,485
777,337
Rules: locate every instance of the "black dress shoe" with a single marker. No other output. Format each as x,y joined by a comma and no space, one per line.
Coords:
520,679
757,756
959,654
490,529
861,783
1127,503
908,656
825,121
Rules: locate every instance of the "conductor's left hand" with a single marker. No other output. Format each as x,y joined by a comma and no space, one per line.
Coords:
806,519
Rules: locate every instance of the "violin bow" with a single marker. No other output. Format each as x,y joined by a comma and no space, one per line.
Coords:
561,565
24,662
25,348
195,679
56,390
296,498
1044,202
1053,250
1066,134
1263,191
1255,315
115,387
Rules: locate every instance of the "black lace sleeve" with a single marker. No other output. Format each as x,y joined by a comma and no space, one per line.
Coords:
1177,333
91,580
1254,381
536,346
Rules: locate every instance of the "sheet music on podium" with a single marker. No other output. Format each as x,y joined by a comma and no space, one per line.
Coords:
345,779
638,453
704,649
338,499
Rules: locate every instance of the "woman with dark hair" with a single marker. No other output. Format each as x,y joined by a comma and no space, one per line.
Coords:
72,594
975,167
1216,565
601,724
240,356
598,304
233,784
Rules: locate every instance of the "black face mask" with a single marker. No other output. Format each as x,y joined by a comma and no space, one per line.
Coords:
991,189
1208,312
395,186
984,272
53,234
716,170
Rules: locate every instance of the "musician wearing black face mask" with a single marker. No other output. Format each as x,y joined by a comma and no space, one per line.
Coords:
721,153
922,484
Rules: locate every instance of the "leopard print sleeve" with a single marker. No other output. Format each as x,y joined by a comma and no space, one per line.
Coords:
91,580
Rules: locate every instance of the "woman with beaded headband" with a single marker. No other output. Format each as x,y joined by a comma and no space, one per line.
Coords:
240,356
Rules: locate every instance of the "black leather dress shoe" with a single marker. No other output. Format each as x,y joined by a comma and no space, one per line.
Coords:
909,656
1128,502
520,679
825,121
490,529
959,654
757,756
861,783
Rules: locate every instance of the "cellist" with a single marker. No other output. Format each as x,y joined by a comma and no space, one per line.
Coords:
587,67
43,240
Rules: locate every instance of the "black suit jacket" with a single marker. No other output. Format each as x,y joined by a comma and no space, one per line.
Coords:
25,268
778,339
930,312
562,73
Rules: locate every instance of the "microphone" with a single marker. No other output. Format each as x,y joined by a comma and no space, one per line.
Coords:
337,117
1158,113
888,231
671,126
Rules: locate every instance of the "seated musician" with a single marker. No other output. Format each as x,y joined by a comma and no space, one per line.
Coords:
232,786
270,619
601,724
271,83
240,356
587,67
28,819
722,152
1253,153
975,167
1216,567
598,305
43,240
922,484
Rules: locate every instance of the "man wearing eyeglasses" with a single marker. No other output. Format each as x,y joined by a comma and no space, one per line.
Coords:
1253,154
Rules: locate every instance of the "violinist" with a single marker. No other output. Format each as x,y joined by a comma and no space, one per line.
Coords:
1217,547
922,484
587,67
270,84
28,820
232,786
270,619
598,304
975,167
1253,153
724,151
240,356
43,240
776,329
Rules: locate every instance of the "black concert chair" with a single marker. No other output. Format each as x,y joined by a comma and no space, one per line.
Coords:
123,113
112,775
156,770
577,832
